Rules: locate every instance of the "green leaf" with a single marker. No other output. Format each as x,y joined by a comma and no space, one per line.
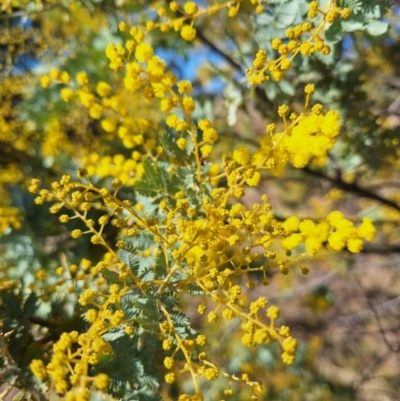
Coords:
141,241
149,382
271,90
114,335
330,58
110,276
352,25
154,180
178,276
264,35
194,289
354,5
148,324
149,206
182,325
141,395
286,87
129,258
168,141
303,7
334,33
376,28
147,274
286,15
147,308
169,300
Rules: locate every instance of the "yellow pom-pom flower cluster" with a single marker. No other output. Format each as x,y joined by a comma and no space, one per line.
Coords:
210,238
336,231
294,44
9,217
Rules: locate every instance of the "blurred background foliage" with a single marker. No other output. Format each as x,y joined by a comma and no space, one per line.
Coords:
346,311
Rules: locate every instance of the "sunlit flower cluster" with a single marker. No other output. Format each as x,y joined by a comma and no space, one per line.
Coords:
9,217
182,18
206,235
305,39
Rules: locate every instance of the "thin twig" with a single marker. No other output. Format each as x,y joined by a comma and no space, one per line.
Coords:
352,188
358,317
337,181
376,316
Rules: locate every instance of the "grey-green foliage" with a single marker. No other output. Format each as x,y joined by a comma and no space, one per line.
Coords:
156,181
366,16
160,181
16,313
277,17
337,76
272,23
134,367
17,344
168,141
280,15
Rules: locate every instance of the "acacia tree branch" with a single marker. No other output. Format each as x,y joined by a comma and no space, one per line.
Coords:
337,181
353,187
231,61
41,322
391,347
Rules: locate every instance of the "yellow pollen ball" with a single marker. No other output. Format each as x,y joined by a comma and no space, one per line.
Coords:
190,7
144,52
188,33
